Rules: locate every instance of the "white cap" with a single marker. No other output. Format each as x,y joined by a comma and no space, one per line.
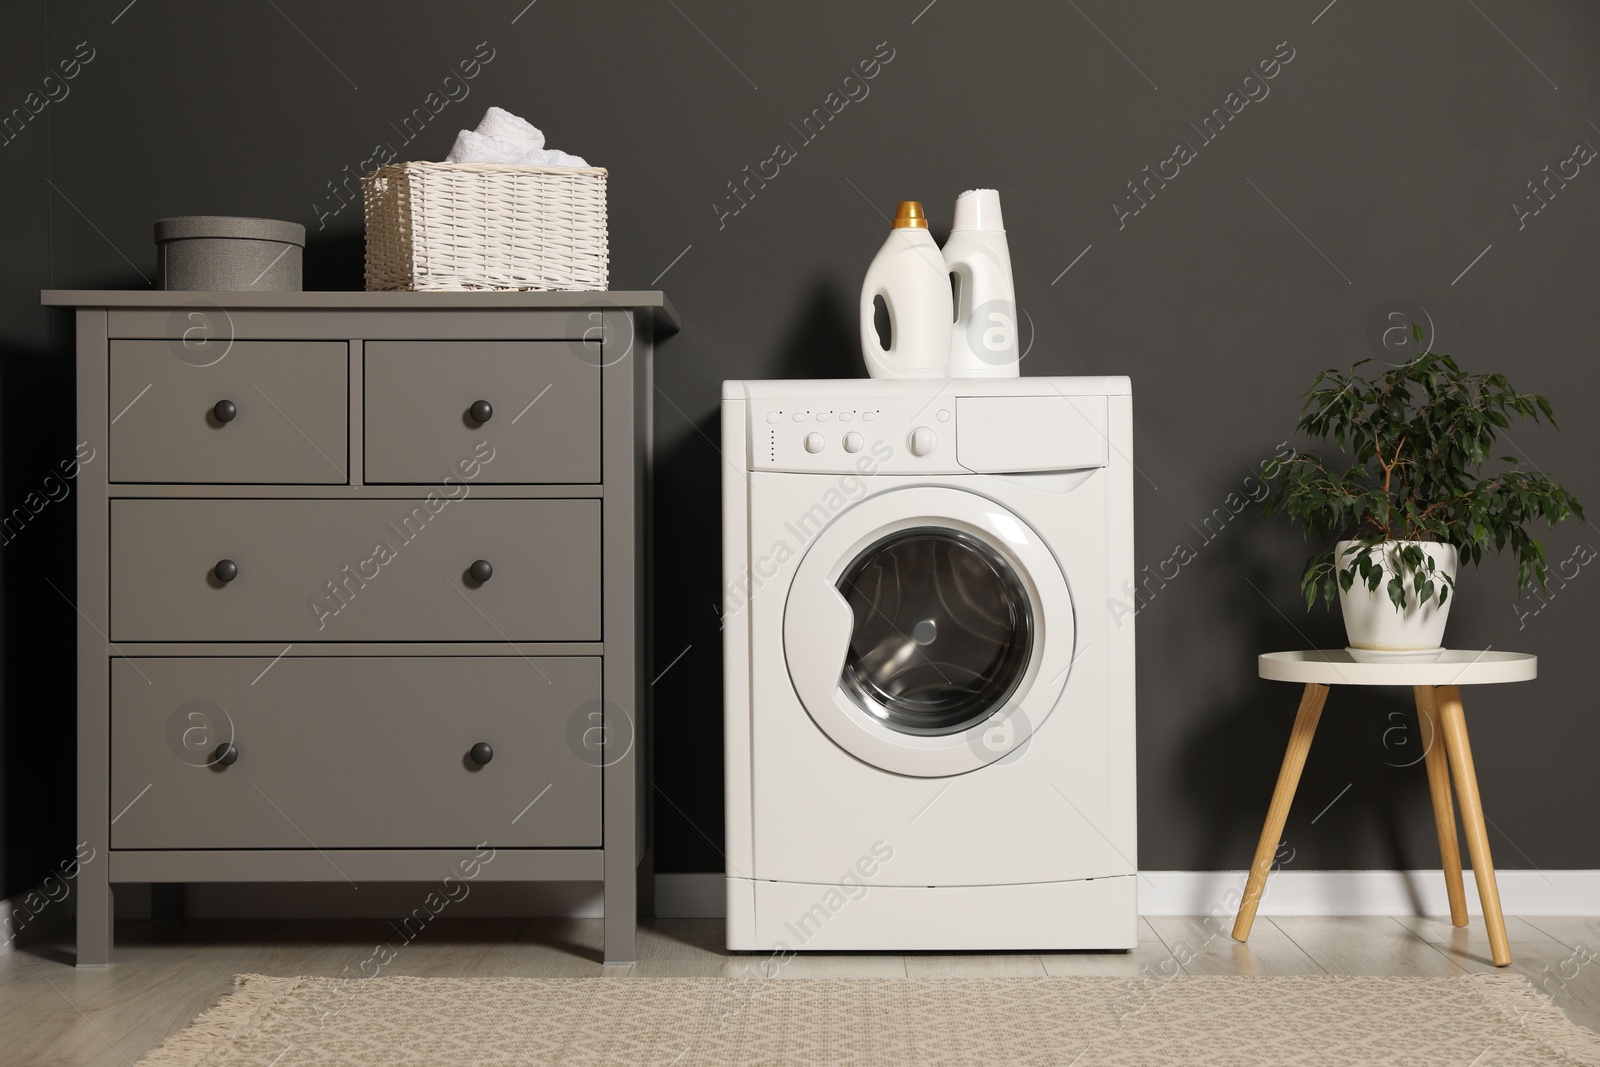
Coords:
978,209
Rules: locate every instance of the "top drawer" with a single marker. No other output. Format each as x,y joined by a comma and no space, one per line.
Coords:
543,414
289,401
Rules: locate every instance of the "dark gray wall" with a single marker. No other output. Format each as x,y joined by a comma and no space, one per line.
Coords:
1383,162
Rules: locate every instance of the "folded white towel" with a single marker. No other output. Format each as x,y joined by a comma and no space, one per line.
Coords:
474,147
498,122
554,157
505,138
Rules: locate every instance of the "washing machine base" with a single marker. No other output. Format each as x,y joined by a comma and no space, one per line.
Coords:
1096,913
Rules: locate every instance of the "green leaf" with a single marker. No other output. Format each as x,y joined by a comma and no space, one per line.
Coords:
1413,463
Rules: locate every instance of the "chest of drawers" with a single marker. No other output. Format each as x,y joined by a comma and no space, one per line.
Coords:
361,587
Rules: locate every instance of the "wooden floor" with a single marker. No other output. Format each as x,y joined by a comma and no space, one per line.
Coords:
167,973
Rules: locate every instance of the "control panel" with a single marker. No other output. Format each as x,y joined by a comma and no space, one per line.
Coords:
922,435
891,435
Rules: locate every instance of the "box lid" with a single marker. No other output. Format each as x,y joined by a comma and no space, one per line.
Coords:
181,227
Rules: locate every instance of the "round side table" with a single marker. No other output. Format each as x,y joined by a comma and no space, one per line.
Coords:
1436,686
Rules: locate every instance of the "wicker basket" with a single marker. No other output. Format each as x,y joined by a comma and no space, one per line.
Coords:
453,226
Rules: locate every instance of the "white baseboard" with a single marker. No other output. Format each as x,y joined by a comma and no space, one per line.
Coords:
32,913
1288,893
387,900
1366,892
702,896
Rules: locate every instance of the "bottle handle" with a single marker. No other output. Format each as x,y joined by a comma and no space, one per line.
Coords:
961,294
994,340
869,325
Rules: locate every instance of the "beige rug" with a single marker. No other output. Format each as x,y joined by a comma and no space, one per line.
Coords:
1481,1020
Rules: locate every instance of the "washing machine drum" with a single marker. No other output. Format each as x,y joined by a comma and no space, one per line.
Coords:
942,631
928,631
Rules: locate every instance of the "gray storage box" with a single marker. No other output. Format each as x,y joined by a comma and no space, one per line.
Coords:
220,253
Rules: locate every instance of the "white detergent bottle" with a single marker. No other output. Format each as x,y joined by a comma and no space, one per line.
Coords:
983,339
910,276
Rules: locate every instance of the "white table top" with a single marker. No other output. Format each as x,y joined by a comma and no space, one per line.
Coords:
1452,667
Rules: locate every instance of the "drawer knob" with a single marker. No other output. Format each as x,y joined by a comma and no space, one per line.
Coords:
481,571
481,753
481,411
226,570
227,754
225,410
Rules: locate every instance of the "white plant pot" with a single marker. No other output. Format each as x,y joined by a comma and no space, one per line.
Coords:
1373,623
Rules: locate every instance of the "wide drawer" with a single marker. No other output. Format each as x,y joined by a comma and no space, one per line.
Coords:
288,425
354,753
543,411
355,570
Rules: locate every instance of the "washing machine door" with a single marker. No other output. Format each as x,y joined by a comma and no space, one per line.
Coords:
929,631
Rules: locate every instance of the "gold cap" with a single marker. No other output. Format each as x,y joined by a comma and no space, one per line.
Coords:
910,214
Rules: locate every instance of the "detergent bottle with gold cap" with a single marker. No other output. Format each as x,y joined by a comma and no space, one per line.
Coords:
910,276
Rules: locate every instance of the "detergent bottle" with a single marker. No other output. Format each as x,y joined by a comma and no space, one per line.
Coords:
983,338
909,275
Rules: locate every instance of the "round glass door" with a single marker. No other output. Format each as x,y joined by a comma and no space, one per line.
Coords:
942,633
918,615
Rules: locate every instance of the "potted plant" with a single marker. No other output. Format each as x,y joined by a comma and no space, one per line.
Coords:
1414,497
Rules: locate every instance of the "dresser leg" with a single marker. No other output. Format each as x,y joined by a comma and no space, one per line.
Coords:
1453,724
1294,760
621,920
1444,811
94,914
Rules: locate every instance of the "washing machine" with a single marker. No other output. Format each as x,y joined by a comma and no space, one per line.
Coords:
929,664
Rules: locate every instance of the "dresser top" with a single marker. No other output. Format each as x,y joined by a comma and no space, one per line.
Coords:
665,316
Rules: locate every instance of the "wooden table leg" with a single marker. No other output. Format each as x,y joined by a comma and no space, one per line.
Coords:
1294,760
1444,812
1453,724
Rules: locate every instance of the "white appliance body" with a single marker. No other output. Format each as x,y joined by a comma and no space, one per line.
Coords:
929,697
